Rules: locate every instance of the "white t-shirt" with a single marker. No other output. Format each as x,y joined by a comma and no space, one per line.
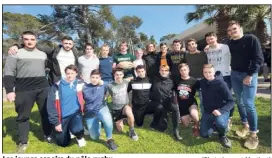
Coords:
219,57
136,63
87,65
65,58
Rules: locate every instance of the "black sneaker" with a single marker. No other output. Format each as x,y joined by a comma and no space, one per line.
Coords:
133,135
49,139
21,148
111,145
225,141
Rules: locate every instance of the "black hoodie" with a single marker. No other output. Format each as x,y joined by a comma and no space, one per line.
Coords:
162,89
151,65
216,94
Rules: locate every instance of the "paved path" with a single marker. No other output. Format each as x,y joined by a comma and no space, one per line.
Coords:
263,89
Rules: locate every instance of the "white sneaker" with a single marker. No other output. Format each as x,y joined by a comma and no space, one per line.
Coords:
81,142
86,131
72,136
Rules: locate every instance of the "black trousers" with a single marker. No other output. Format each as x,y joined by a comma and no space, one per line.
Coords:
151,107
24,102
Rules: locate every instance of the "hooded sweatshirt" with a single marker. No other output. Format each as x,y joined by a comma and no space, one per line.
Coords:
94,98
151,65
216,94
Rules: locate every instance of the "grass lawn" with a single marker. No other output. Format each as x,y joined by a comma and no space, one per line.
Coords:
149,141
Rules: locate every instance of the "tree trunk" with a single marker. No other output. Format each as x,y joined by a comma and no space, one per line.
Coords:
222,21
261,31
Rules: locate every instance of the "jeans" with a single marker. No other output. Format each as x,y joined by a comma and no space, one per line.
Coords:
227,79
71,123
208,121
106,83
245,97
94,126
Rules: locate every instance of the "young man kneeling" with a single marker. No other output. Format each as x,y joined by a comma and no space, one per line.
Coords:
185,87
217,103
96,109
64,106
120,108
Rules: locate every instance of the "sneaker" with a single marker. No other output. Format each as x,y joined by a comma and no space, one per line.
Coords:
111,145
252,142
81,142
86,132
21,148
242,132
133,135
229,124
72,136
48,139
225,141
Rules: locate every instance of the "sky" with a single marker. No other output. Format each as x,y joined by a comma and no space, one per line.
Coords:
158,20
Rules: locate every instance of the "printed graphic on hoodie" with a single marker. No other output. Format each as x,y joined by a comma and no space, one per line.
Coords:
220,58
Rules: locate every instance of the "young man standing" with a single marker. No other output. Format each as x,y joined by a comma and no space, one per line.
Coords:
163,57
217,103
162,94
64,106
138,60
88,62
246,60
96,109
25,83
196,59
150,60
120,108
124,60
59,58
219,56
177,57
185,88
105,65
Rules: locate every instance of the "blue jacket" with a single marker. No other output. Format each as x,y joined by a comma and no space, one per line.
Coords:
94,96
216,94
59,100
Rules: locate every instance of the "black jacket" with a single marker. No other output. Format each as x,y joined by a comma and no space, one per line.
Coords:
140,90
216,94
151,65
168,59
162,89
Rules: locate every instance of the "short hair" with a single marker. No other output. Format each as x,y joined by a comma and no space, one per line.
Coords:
164,66
190,40
210,34
162,44
177,41
88,44
95,72
118,70
67,38
151,44
29,33
123,42
140,67
182,65
71,67
208,66
232,22
138,49
105,45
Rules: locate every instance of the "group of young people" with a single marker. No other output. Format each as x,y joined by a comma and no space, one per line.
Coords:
148,83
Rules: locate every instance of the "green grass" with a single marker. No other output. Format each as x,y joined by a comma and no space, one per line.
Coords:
149,141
